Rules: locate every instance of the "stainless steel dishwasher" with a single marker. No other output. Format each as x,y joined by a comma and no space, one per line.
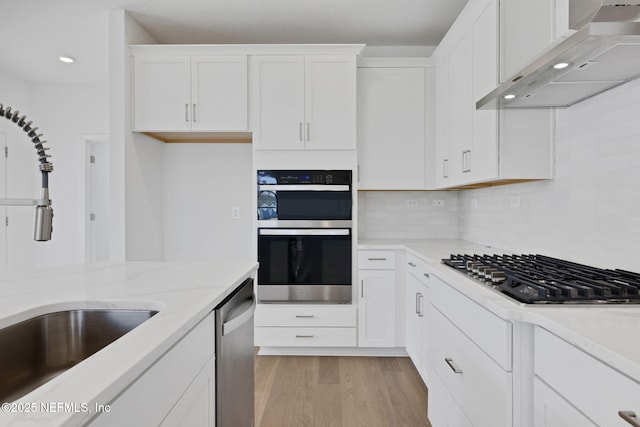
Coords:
234,358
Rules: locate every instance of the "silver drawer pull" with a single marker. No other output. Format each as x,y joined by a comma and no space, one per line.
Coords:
412,264
304,336
453,367
630,417
304,316
377,259
426,275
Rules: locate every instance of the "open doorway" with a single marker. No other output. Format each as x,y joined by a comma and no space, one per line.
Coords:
96,194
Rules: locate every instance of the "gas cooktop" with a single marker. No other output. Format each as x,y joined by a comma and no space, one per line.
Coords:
539,279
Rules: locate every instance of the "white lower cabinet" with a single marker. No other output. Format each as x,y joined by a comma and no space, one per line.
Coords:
589,387
552,410
178,389
376,299
301,325
442,409
417,307
479,386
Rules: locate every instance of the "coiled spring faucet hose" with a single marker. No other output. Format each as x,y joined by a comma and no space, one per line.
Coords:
44,211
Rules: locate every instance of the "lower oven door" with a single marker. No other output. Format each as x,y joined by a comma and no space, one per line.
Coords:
304,265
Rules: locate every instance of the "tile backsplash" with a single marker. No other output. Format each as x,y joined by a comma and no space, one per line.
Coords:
590,211
407,215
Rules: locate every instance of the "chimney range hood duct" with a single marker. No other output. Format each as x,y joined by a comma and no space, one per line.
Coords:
603,52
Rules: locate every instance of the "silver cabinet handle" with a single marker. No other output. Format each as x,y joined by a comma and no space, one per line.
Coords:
186,112
193,112
445,168
304,316
300,129
418,295
420,305
426,275
308,137
362,288
630,417
412,264
464,155
453,367
304,336
377,259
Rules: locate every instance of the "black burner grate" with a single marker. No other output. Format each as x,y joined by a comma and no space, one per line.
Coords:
541,279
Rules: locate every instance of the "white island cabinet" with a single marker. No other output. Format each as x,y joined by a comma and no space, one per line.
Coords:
303,102
161,373
179,389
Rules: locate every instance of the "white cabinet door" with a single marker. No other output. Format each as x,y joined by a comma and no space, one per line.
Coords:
415,297
162,93
442,410
219,93
196,407
482,160
376,308
278,102
303,102
552,410
461,109
391,128
442,121
330,102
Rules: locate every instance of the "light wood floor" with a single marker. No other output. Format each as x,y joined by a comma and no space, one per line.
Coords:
338,392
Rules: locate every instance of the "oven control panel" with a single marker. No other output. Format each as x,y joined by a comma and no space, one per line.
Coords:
302,177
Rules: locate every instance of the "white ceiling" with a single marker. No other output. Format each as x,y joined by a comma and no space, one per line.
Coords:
34,32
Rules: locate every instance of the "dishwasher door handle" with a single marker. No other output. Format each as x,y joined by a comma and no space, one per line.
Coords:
236,322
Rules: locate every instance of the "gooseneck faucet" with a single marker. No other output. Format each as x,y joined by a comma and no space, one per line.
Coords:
44,211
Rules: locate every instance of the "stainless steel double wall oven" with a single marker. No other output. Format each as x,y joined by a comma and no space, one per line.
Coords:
304,236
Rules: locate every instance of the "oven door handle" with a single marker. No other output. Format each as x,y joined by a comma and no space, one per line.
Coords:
276,187
304,232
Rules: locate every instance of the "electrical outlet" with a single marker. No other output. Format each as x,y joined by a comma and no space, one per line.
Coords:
438,203
411,203
474,203
235,213
514,201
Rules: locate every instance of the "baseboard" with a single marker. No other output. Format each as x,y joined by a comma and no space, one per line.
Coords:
333,351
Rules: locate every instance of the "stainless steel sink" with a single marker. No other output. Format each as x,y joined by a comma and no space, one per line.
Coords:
36,350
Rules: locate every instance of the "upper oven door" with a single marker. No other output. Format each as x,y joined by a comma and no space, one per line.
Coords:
304,202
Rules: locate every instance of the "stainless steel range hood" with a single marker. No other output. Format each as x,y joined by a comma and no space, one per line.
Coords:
603,53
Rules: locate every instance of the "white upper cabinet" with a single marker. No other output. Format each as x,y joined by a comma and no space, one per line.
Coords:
303,102
174,93
393,127
479,147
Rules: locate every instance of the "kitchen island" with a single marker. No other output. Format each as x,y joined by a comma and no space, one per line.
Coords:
183,293
578,363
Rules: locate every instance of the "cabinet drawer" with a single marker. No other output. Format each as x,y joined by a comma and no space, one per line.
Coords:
376,260
418,268
491,333
305,337
302,315
568,369
480,387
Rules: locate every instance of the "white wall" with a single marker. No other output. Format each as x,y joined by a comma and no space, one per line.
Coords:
590,212
202,183
22,175
135,159
388,215
65,113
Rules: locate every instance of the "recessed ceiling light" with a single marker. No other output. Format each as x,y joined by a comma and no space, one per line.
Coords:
509,96
67,59
561,65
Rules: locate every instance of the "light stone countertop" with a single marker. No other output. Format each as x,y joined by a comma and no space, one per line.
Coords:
183,292
607,332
